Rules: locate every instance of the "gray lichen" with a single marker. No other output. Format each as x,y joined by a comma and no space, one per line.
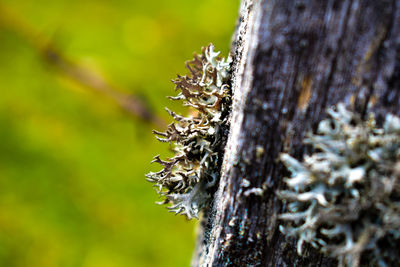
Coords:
344,198
187,179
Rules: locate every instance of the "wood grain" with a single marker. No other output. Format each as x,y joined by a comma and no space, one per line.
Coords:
293,59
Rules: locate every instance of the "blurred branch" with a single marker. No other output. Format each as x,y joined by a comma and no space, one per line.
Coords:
84,76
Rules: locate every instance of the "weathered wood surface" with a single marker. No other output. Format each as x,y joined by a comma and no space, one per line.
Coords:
293,59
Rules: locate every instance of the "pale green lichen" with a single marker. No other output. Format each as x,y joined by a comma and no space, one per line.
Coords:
344,198
187,180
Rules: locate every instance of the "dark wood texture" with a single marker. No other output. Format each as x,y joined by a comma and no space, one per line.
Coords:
293,59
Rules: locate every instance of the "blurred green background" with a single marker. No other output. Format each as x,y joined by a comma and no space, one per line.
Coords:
75,78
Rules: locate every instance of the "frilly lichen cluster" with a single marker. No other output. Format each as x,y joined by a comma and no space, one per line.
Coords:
187,180
344,199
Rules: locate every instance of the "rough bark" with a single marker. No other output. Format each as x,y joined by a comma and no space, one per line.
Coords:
292,60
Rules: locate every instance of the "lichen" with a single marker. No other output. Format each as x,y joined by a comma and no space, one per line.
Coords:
344,199
187,180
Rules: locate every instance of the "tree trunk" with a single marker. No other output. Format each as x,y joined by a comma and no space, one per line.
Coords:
292,60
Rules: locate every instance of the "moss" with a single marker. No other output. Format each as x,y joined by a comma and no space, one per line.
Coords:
344,198
187,180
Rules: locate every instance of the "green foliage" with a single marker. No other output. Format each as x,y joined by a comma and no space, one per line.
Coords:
72,191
